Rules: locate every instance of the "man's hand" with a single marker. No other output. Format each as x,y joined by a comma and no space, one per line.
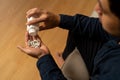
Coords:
34,52
46,19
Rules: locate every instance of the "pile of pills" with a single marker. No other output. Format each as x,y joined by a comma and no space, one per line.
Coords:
34,43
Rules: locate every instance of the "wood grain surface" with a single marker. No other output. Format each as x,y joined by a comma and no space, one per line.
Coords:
14,64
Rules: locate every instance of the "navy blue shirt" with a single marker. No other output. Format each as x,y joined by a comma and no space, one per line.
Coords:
106,61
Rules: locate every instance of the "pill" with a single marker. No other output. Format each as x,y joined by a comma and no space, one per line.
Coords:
34,43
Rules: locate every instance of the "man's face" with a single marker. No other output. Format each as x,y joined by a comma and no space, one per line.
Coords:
109,21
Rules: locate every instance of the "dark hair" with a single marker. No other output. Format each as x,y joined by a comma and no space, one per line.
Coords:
115,7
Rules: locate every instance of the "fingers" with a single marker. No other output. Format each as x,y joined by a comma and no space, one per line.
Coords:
25,50
27,38
38,37
34,37
40,16
32,12
32,41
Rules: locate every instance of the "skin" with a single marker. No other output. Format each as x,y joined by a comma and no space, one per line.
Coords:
48,19
110,22
34,52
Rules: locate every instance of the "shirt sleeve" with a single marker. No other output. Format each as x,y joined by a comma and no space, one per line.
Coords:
78,21
83,25
48,69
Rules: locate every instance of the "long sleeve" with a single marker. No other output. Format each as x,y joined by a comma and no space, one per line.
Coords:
84,26
48,69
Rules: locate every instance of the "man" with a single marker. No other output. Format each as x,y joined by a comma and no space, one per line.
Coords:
104,62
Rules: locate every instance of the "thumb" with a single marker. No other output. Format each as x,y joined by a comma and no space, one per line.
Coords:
23,49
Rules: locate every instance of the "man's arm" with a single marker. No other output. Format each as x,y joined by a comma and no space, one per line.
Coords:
48,69
84,26
46,64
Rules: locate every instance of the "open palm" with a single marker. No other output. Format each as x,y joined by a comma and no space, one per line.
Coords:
34,52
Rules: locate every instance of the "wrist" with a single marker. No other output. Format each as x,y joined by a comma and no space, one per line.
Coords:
42,55
58,19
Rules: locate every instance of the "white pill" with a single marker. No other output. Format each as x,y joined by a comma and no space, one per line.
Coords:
34,43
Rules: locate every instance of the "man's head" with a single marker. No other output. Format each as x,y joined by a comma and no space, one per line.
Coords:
109,16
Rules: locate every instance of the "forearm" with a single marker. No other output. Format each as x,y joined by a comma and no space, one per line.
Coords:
66,21
84,26
48,69
72,22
